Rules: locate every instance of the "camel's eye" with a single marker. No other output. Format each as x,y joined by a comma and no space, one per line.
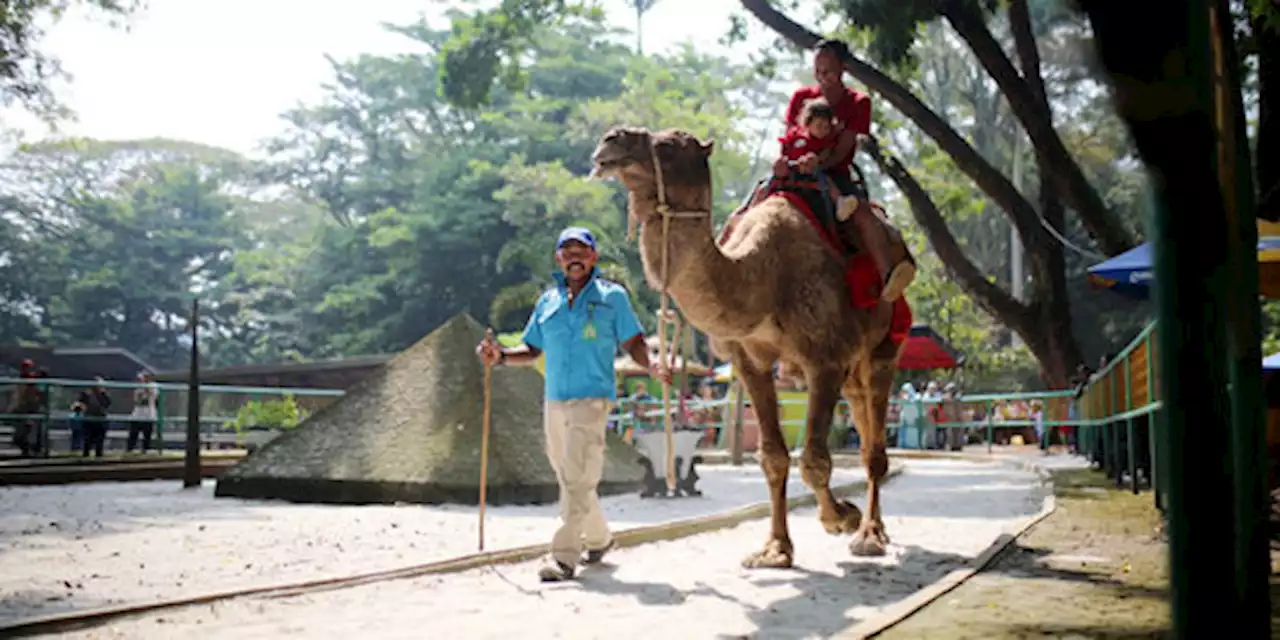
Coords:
611,136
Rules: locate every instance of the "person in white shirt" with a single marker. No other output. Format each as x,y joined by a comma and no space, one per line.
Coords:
144,412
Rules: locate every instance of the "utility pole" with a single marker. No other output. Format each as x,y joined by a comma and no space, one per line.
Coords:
191,470
1015,242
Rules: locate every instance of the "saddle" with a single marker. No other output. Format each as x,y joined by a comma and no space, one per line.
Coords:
813,192
809,194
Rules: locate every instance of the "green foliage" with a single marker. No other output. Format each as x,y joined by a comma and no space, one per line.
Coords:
1270,327
425,184
382,211
108,241
488,45
269,414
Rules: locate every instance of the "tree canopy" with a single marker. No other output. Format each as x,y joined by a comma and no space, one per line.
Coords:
424,184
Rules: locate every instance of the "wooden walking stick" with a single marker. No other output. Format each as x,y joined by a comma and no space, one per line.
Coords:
484,437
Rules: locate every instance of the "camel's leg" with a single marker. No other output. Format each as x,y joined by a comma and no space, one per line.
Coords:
869,396
774,461
837,517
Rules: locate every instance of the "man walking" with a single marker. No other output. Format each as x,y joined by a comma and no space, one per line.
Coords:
578,324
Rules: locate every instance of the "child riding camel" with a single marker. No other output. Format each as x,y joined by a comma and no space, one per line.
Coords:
811,144
851,116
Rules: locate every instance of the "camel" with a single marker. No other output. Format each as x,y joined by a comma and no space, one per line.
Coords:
772,291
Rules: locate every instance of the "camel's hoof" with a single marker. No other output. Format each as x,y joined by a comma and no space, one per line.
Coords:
869,542
848,519
774,555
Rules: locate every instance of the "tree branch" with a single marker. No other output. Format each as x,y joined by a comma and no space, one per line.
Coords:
1063,171
1024,42
987,294
988,178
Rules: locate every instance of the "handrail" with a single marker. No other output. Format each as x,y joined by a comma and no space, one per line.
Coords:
172,386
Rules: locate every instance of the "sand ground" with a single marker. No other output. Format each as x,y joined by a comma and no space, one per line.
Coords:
939,514
84,546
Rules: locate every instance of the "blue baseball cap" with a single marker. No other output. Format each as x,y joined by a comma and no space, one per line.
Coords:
579,234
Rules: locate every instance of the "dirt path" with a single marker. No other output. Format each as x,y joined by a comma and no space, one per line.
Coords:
941,515
1092,569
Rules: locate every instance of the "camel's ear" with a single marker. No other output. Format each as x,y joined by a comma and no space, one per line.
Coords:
707,147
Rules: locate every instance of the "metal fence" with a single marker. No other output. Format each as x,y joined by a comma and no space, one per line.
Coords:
55,424
916,422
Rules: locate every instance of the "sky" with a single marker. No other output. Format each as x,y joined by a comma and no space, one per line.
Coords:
199,70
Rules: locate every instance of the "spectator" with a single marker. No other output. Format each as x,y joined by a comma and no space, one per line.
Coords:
1042,433
144,412
76,424
909,414
952,437
96,402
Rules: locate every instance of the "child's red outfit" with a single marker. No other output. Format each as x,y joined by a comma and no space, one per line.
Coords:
797,143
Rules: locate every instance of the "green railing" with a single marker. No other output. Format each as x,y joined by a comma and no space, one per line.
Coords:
1123,398
993,414
219,406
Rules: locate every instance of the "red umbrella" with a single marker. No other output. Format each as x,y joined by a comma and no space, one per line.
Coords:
925,349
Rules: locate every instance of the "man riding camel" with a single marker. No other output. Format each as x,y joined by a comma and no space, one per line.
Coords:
852,110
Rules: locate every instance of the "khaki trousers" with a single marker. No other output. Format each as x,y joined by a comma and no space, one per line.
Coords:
575,447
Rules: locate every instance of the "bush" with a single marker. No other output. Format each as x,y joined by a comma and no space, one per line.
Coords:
270,414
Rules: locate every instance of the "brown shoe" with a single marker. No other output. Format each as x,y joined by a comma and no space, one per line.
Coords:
553,570
901,275
595,556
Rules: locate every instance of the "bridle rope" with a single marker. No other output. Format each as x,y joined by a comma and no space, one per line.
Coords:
666,315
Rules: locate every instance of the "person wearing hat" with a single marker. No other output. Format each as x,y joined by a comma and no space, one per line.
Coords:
579,324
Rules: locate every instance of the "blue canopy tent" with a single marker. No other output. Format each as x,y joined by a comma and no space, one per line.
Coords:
1130,273
1271,362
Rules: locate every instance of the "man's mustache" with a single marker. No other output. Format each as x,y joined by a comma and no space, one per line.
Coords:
575,263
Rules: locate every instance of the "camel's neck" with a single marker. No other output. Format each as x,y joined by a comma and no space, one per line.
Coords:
698,275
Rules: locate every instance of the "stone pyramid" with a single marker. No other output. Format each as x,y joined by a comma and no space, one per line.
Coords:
410,432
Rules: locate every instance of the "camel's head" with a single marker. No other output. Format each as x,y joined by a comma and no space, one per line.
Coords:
628,153
621,149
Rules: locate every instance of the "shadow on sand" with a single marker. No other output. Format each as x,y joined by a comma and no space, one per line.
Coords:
822,603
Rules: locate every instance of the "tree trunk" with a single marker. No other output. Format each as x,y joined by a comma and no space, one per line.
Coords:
1032,111
1044,323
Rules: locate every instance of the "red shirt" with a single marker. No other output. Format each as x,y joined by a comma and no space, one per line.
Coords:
797,142
853,111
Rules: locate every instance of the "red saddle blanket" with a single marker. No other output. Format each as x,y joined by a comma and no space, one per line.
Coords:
860,272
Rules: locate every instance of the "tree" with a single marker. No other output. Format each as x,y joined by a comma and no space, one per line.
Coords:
25,72
641,7
1044,320
110,240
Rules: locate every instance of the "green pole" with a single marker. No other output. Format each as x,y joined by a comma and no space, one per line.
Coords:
1153,434
991,426
1129,431
1112,429
44,422
191,468
160,421
1175,138
1244,368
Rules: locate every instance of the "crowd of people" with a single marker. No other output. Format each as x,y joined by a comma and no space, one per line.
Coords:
32,409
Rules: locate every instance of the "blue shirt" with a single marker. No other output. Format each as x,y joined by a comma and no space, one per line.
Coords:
580,341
